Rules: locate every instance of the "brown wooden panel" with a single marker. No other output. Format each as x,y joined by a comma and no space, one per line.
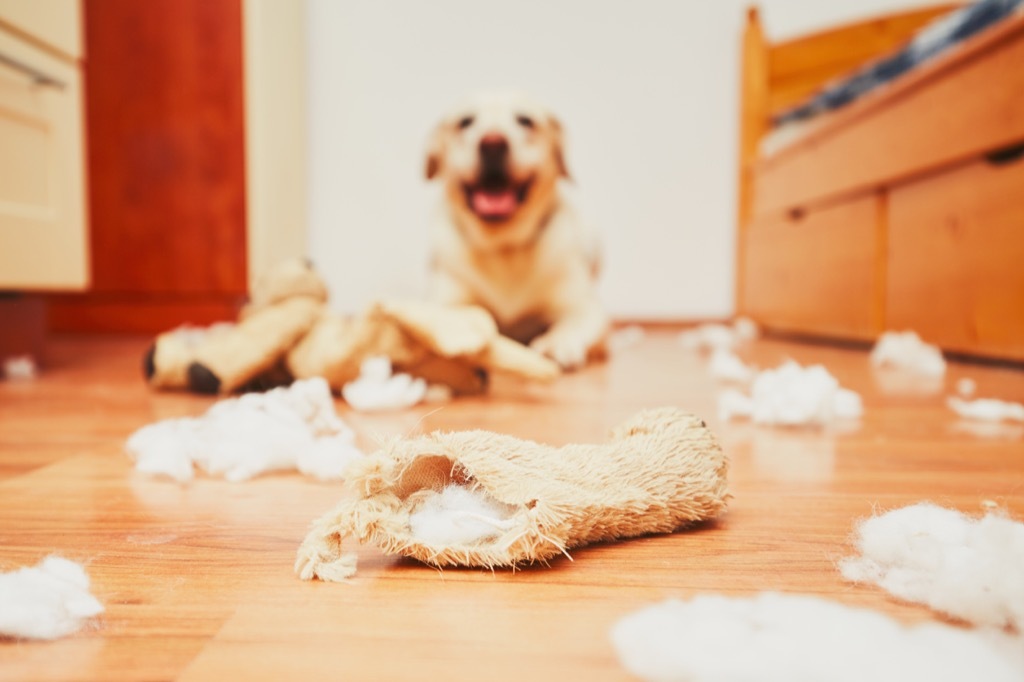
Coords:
752,126
968,102
816,274
135,313
956,267
166,145
166,164
800,66
22,326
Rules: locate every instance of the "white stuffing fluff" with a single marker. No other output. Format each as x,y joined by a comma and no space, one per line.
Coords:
727,366
438,393
791,395
712,336
378,389
287,428
972,569
458,515
781,638
626,337
20,368
906,350
987,409
47,601
746,329
966,387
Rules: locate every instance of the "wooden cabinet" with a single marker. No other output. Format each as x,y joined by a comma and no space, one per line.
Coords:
196,119
43,236
913,205
956,258
166,166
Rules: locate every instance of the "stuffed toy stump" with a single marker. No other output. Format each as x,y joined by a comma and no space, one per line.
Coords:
487,500
287,332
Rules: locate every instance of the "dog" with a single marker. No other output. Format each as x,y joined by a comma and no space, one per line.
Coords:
505,237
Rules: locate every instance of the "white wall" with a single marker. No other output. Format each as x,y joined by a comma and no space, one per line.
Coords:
647,91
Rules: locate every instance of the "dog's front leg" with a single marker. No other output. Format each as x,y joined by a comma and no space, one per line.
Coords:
578,331
444,288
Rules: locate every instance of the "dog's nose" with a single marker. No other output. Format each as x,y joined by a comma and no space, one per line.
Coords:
493,149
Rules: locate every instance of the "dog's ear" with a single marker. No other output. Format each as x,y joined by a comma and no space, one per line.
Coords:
558,144
435,152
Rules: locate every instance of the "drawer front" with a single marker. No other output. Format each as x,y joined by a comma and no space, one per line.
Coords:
956,267
42,216
816,274
54,23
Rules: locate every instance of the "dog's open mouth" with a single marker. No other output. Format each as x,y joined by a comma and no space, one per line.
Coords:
496,198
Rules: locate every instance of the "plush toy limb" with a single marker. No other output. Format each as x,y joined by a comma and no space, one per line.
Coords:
662,470
578,336
321,554
335,347
165,364
226,357
322,350
289,279
505,355
447,330
229,361
455,373
469,333
453,345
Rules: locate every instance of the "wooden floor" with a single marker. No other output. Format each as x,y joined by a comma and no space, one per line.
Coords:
198,582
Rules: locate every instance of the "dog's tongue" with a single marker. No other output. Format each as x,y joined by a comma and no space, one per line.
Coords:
494,204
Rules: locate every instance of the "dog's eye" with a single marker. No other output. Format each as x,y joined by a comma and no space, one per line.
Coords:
465,122
525,121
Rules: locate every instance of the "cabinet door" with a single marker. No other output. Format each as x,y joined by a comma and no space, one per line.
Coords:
42,218
166,136
956,265
816,273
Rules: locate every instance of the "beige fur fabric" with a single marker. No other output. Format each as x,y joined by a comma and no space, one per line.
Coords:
287,332
447,344
662,470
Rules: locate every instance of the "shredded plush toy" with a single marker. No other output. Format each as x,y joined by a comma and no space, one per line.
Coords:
482,499
287,332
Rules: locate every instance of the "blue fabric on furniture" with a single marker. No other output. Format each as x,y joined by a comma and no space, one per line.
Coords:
932,40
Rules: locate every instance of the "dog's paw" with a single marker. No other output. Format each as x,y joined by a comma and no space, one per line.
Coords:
569,351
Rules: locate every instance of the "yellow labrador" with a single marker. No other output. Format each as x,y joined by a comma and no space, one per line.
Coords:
504,237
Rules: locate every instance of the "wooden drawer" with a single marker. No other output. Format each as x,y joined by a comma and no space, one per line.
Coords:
42,206
816,273
956,259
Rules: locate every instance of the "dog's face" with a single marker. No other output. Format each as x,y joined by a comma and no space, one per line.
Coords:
500,157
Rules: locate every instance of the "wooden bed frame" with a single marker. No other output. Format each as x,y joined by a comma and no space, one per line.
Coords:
902,210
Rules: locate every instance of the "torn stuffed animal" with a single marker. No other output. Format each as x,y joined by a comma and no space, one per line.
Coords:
521,502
